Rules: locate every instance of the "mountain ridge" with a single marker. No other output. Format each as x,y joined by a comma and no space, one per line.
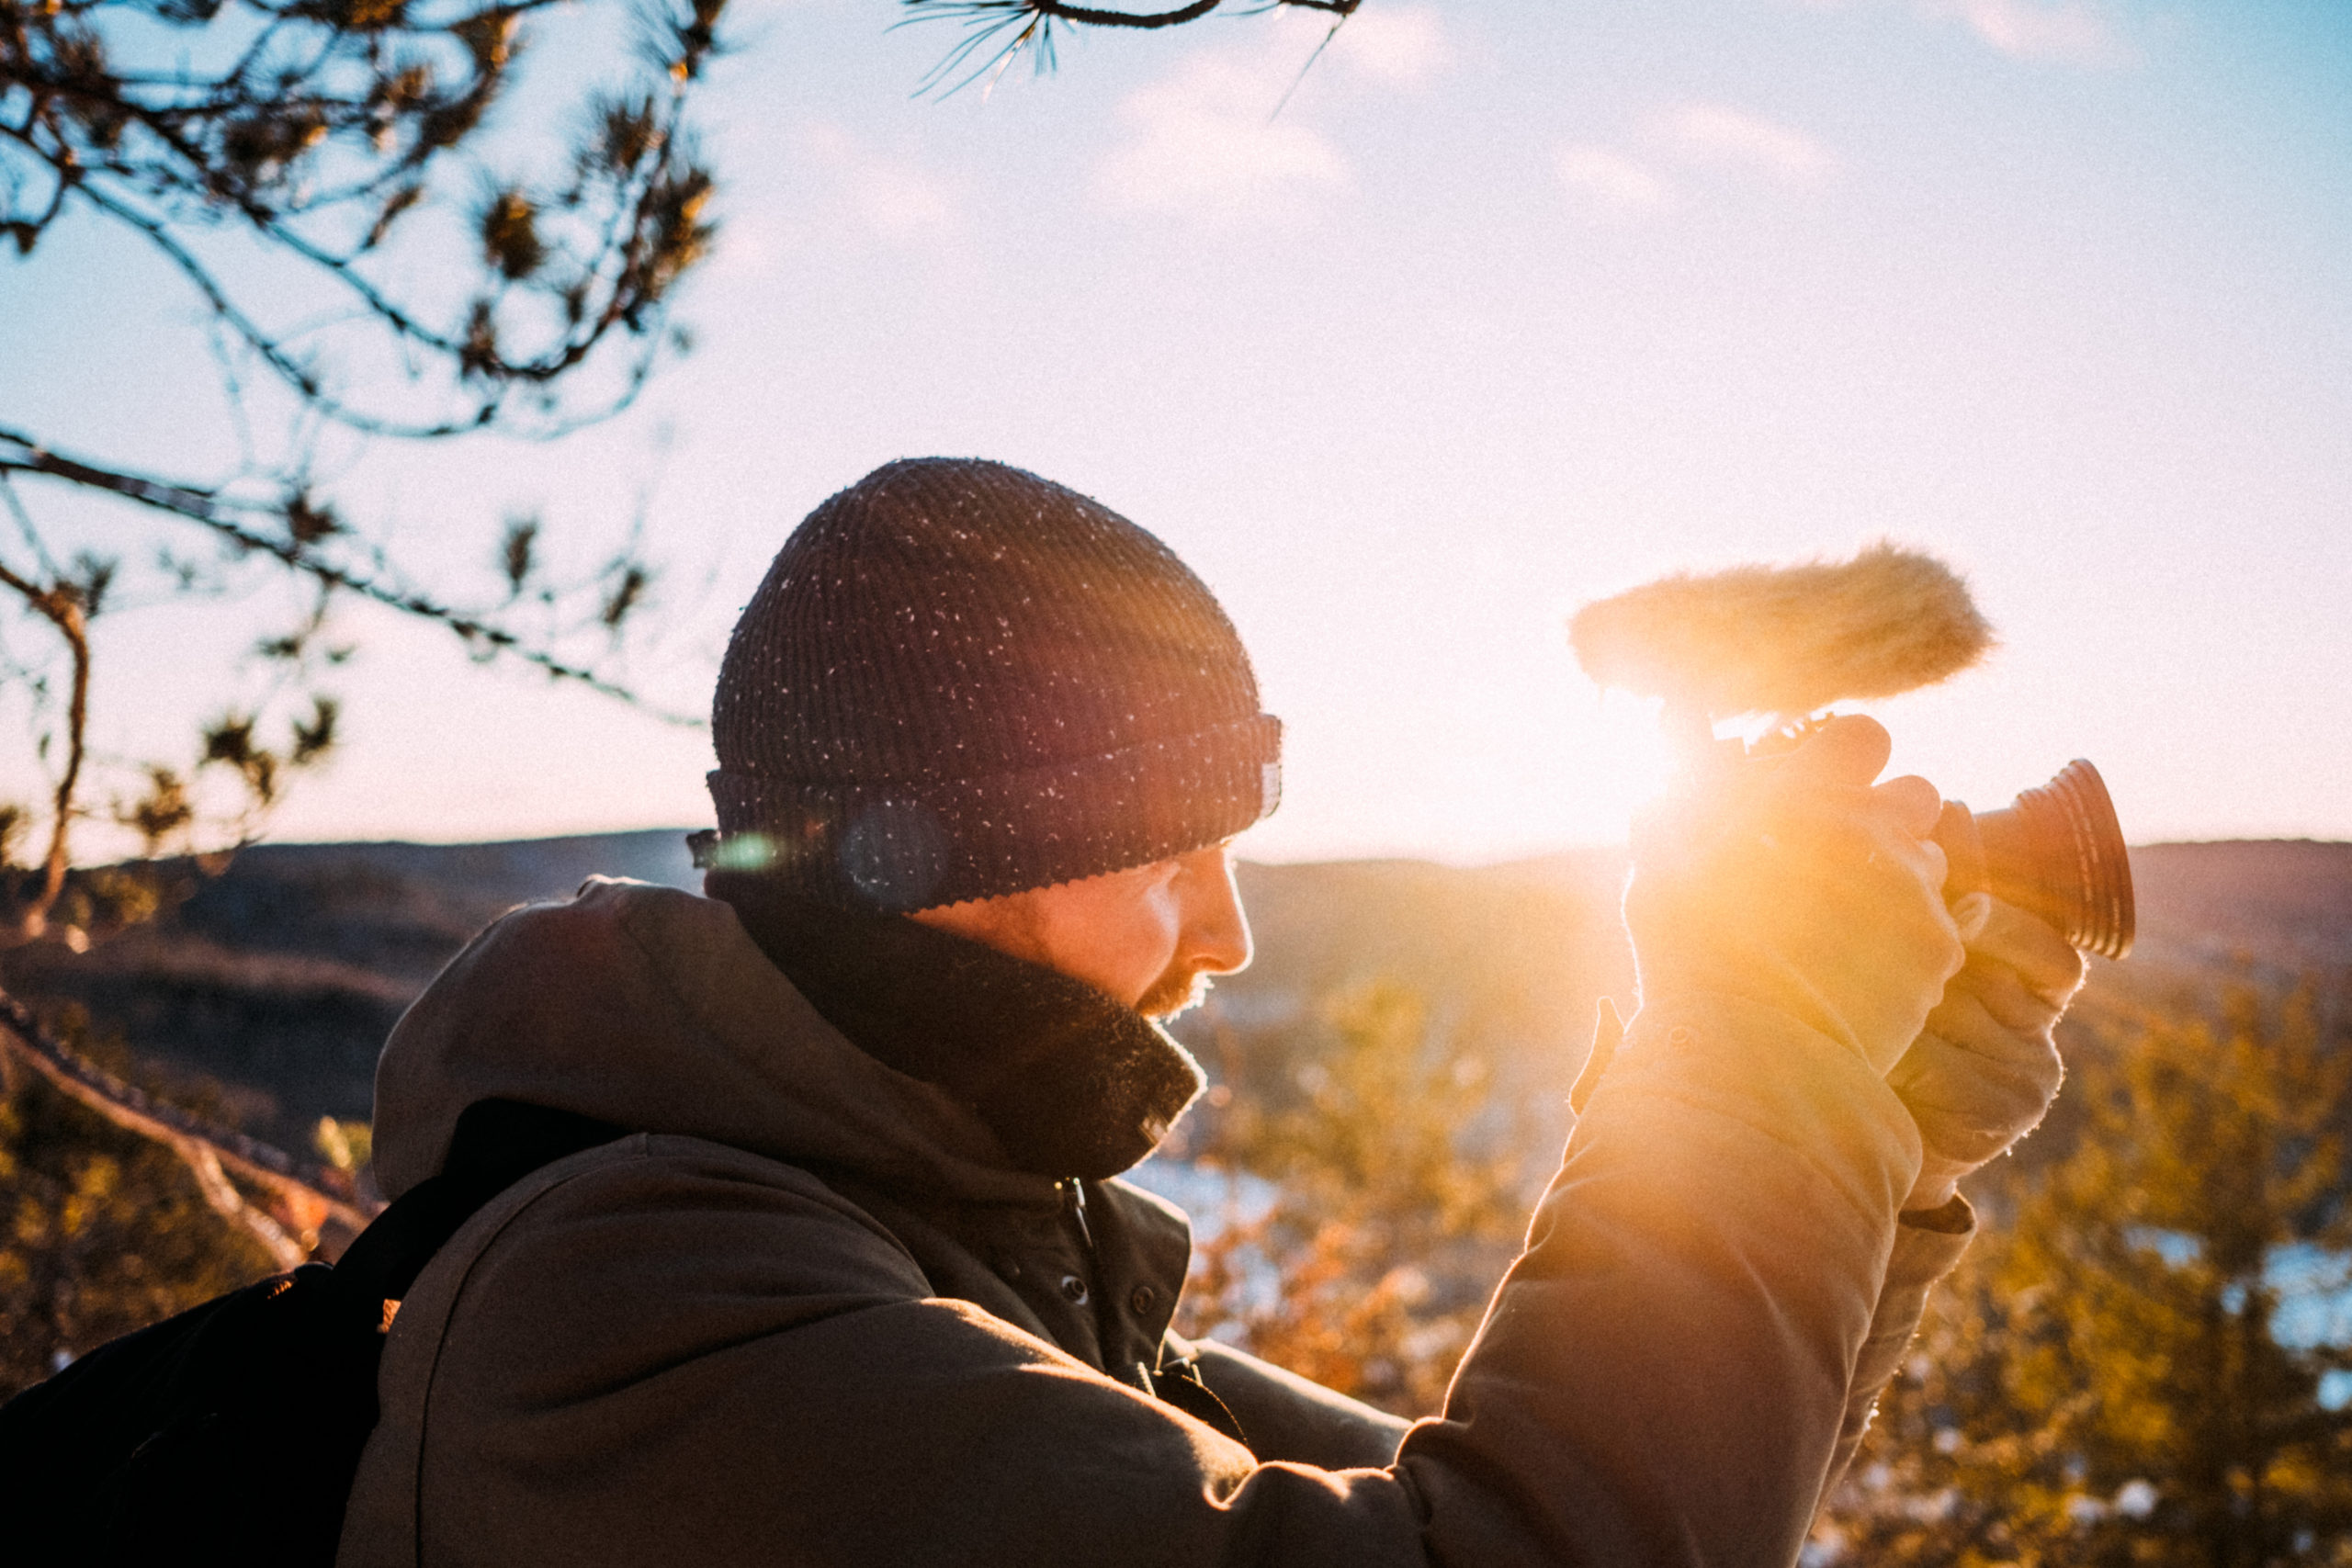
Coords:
279,979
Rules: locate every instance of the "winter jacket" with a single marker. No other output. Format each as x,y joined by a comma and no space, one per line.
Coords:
811,1316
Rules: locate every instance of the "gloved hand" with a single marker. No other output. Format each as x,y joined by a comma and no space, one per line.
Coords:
1985,1070
1796,884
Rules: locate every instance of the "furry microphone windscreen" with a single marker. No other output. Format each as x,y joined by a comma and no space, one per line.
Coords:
1785,641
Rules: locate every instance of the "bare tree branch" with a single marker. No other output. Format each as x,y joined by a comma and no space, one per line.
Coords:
58,604
309,1192
337,117
235,520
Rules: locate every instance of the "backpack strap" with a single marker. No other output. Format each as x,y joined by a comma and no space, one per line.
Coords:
497,1144
231,1432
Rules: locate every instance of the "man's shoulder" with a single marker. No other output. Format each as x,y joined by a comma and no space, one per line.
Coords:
649,1251
652,1205
613,909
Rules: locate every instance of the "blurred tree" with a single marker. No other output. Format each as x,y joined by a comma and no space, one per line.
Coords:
317,174
2149,1366
1389,1175
102,1231
368,262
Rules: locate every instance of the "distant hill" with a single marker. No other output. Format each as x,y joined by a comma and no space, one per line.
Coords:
281,978
2280,904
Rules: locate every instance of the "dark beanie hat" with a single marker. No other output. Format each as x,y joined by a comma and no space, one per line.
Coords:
959,679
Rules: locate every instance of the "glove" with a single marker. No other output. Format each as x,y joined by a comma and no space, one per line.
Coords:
1983,1071
1792,883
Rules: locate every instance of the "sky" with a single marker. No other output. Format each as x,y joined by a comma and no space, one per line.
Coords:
1508,307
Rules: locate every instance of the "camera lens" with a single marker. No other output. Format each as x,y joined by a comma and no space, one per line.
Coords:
2056,851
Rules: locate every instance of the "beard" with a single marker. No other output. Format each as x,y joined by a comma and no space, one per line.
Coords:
1176,990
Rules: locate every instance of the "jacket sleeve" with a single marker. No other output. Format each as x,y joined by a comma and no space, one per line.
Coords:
1286,1416
1289,1417
1927,1245
679,1356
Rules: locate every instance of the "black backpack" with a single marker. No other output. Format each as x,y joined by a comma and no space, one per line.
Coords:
230,1433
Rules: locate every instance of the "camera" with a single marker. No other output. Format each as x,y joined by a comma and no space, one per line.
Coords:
1790,641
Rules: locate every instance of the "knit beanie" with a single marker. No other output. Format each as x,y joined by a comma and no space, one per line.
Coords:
959,679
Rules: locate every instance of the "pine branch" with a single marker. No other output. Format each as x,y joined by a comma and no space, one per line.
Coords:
1031,24
1088,16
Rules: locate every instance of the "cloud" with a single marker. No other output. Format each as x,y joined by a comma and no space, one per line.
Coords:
1712,133
893,197
1402,46
1204,139
2079,32
2036,29
1611,184
1617,185
748,247
1199,139
820,184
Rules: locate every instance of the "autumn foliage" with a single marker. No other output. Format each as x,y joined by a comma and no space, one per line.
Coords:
1391,1191
2143,1360
102,1231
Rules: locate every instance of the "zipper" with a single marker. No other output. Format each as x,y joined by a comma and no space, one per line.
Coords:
1074,1207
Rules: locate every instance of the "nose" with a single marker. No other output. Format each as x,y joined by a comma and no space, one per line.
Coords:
1215,934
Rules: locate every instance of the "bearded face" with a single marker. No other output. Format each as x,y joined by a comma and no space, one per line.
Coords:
1150,936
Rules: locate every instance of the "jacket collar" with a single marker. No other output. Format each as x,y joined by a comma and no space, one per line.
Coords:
1071,1082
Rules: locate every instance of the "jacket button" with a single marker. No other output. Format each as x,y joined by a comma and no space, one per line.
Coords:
1142,1299
1075,1289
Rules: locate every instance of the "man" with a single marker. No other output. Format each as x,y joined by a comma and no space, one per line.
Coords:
864,1290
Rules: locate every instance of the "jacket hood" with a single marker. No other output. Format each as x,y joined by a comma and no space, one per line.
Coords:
652,1009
